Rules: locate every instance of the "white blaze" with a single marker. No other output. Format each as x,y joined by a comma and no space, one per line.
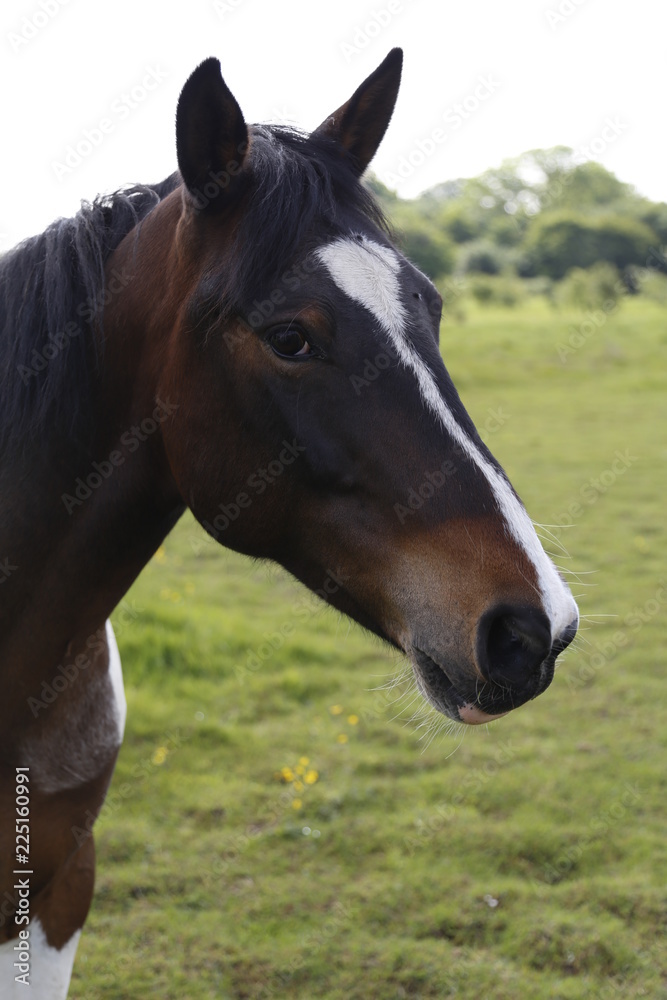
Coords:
369,274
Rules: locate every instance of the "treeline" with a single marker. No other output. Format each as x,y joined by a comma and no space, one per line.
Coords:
543,223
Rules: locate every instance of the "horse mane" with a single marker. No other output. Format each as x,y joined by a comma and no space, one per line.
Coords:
51,294
52,285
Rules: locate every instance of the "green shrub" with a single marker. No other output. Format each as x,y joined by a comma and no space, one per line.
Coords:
497,290
591,288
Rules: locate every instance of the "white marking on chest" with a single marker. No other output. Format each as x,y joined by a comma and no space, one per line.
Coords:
369,274
116,678
48,969
82,727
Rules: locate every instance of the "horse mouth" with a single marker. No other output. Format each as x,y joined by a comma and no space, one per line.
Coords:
436,687
479,703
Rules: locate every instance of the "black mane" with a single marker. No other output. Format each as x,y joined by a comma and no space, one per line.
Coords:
52,285
51,292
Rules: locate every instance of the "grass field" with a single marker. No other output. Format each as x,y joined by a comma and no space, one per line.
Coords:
276,829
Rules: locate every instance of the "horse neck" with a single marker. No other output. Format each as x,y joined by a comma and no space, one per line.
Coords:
82,521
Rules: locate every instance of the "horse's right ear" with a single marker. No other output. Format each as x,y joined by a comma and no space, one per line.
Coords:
211,138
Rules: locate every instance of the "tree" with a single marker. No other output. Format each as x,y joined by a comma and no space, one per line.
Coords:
585,187
459,222
654,216
481,257
558,241
427,247
422,240
539,214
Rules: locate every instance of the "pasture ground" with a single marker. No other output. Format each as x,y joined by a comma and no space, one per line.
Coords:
276,829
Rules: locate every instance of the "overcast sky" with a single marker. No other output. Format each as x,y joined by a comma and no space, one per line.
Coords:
483,80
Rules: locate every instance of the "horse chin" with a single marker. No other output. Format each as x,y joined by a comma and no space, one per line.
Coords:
472,715
441,692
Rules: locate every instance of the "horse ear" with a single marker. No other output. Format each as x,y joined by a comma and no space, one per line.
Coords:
359,125
211,137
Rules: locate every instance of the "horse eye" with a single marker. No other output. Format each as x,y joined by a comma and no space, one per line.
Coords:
288,342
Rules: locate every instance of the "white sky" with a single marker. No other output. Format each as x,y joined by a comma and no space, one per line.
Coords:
557,71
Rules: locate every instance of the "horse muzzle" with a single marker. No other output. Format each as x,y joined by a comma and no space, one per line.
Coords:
514,658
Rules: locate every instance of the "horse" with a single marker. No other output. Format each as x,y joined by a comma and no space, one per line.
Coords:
156,351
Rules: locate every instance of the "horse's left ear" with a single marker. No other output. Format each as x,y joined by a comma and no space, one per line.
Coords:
211,137
359,125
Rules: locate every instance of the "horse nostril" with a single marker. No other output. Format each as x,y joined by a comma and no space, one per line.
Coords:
565,638
513,642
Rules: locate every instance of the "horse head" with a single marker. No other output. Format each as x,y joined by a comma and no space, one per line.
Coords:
318,425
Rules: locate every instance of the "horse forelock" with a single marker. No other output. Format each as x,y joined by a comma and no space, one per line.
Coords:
301,191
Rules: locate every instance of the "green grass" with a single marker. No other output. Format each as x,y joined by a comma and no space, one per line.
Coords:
526,859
